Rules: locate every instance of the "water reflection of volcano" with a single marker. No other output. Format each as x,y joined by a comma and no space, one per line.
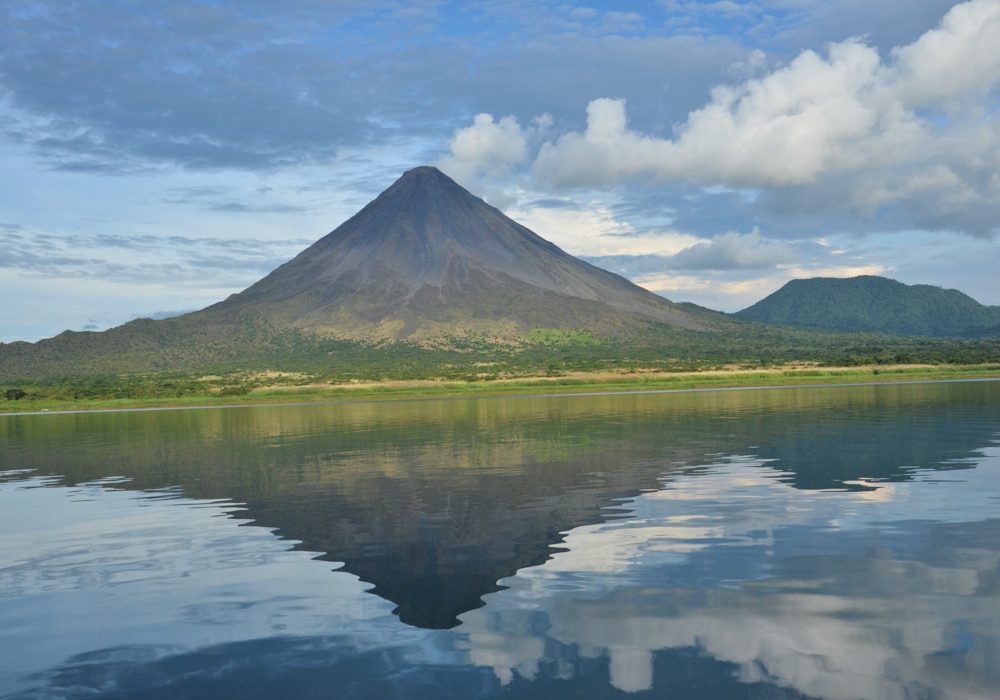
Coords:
727,584
435,502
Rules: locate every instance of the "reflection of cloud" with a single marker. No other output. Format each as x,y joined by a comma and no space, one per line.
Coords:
207,575
822,646
783,584
674,536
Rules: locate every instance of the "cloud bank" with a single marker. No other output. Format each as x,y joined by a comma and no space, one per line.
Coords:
846,112
841,131
724,252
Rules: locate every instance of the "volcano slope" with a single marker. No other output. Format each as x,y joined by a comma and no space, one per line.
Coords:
427,259
426,264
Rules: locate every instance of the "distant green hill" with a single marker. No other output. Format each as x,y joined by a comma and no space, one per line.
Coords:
870,304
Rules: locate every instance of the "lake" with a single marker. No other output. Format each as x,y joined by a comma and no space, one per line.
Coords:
828,542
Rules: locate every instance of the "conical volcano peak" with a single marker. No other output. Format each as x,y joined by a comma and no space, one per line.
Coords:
427,258
426,181
420,190
424,172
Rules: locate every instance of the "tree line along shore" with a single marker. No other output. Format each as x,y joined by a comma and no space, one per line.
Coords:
286,388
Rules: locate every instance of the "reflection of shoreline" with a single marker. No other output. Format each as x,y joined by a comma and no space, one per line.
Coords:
833,595
585,385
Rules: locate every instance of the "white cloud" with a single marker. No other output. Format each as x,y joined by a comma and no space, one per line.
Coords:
959,58
816,115
485,147
914,131
733,251
592,230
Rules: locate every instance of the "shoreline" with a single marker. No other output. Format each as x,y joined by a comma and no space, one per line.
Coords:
531,387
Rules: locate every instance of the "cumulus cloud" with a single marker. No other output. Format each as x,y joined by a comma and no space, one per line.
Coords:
784,129
911,131
484,146
961,57
489,147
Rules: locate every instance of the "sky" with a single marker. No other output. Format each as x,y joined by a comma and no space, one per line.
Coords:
157,156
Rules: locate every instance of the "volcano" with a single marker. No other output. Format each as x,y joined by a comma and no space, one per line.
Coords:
426,262
428,259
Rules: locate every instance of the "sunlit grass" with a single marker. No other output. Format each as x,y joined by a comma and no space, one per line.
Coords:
540,385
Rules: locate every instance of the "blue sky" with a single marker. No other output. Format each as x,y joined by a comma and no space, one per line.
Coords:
158,156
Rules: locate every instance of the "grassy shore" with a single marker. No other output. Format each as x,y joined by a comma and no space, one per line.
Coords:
576,383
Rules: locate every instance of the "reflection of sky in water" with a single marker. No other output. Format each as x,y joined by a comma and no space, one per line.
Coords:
888,592
152,575
871,594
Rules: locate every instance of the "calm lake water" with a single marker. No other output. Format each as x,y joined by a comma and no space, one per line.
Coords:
839,542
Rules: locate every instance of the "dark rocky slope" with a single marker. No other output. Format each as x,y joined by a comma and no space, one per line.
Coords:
427,258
